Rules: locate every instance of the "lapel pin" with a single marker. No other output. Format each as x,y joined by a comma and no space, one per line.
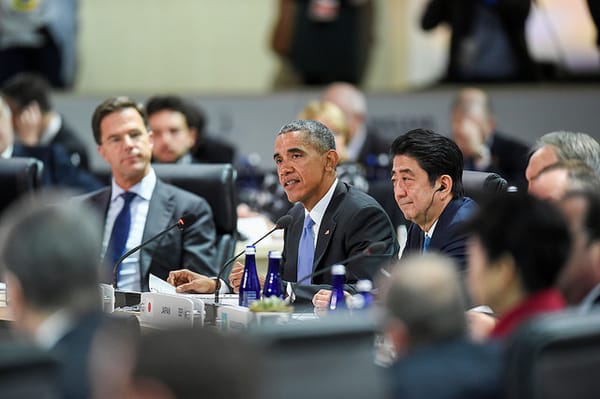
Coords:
327,232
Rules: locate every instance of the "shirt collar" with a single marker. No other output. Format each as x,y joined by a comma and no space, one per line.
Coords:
8,151
143,189
53,329
316,214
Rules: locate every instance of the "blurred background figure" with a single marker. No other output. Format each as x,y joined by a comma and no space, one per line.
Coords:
35,121
562,146
426,324
517,249
170,121
39,36
58,171
483,147
209,148
483,32
554,181
322,41
52,285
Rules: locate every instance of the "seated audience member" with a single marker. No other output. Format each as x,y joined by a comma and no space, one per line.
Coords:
36,123
174,136
363,142
552,182
49,261
483,147
155,375
138,205
425,322
517,249
579,281
562,146
427,178
58,170
331,219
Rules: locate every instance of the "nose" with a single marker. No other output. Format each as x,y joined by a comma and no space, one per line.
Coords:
399,190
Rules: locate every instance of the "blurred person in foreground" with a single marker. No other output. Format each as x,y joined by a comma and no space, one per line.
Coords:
331,219
517,248
562,146
483,147
425,322
49,259
555,180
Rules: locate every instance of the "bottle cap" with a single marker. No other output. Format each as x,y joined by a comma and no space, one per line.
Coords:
250,250
364,285
274,254
338,270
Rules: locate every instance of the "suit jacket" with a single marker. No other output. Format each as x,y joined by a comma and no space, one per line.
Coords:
192,248
449,236
58,168
73,144
352,221
452,369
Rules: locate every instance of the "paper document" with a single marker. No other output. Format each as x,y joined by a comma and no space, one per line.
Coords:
157,284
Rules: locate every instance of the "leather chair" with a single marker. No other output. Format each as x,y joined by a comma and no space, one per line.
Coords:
555,356
479,185
18,176
216,184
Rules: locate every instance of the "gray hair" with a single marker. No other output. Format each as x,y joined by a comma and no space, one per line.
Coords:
425,293
315,133
572,145
52,247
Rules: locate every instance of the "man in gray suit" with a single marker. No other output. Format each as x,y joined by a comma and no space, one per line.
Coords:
138,205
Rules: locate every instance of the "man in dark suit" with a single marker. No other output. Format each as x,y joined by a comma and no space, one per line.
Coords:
344,221
483,147
119,126
425,323
427,177
50,265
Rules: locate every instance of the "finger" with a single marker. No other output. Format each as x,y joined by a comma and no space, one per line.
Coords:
187,287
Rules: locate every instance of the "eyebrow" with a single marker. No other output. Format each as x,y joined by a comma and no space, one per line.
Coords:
289,151
405,170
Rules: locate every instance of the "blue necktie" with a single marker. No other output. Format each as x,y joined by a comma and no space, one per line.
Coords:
120,230
426,243
306,250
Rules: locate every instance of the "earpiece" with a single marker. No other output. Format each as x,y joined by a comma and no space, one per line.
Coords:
442,187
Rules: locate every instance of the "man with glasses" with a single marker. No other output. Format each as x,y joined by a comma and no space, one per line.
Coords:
138,205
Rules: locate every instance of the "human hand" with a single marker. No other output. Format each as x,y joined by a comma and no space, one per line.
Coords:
235,277
187,281
480,325
28,124
468,136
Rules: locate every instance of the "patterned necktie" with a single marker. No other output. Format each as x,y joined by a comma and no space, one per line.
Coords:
120,230
306,250
426,243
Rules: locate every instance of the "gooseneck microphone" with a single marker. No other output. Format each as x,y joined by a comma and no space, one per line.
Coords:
281,223
375,248
185,221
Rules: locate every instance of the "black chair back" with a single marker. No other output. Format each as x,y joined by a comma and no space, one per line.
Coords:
18,176
479,185
216,184
555,356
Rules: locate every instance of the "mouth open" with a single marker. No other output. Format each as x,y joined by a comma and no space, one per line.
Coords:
290,183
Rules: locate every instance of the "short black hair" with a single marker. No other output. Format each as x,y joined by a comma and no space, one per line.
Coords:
170,103
109,106
25,88
316,133
532,231
436,154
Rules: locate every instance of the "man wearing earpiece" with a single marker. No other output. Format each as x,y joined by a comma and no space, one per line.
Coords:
427,177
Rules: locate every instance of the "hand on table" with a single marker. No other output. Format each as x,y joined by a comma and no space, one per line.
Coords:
188,281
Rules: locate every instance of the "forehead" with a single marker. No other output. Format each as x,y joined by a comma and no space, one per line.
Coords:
406,163
121,121
541,158
166,115
295,139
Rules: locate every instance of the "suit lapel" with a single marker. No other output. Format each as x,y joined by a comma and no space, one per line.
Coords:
328,224
160,212
293,233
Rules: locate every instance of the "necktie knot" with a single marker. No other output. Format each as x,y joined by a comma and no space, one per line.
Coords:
308,222
128,196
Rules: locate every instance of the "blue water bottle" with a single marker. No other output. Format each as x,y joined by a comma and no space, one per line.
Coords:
250,286
338,278
363,298
273,281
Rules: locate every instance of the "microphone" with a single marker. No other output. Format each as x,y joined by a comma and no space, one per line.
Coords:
281,223
182,223
375,248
